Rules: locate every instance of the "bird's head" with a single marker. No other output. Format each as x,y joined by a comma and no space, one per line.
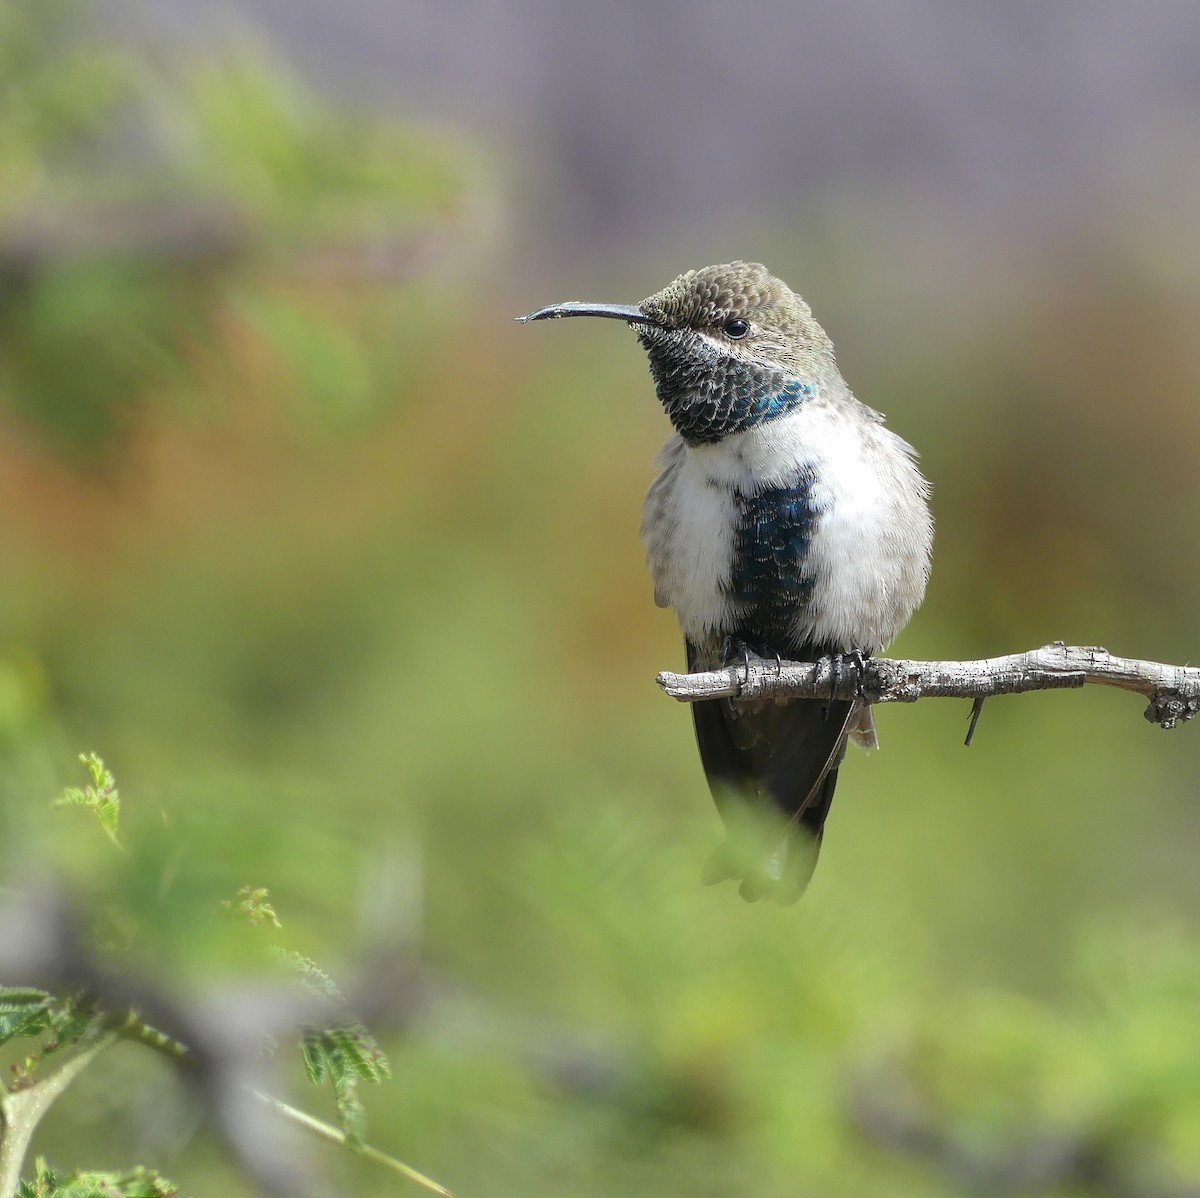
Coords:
729,346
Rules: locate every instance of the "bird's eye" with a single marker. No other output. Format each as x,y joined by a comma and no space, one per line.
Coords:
736,329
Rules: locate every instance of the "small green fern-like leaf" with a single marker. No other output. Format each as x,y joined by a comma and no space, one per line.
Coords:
347,1050
252,905
48,1182
345,1055
315,1061
362,1053
100,797
311,975
351,1112
61,1023
24,1012
70,1021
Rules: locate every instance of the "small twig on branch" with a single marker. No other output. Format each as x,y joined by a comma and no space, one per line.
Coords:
1173,691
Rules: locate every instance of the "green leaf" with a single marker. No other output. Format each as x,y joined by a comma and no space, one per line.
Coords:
361,1052
101,797
312,976
342,1055
69,1022
24,1012
315,1065
139,1182
345,1055
345,1051
252,905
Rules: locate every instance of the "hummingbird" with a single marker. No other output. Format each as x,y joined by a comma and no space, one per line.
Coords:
786,521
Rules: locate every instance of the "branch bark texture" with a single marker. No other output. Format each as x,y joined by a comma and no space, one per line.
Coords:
1173,691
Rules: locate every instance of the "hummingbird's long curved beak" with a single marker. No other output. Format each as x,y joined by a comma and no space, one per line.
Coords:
627,312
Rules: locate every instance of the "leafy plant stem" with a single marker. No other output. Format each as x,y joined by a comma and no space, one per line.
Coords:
337,1136
21,1112
132,1027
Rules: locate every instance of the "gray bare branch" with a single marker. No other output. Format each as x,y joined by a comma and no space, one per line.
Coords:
1173,691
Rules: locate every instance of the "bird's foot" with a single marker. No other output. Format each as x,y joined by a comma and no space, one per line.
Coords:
838,664
734,649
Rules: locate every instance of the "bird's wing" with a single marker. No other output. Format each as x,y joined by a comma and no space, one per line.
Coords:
657,512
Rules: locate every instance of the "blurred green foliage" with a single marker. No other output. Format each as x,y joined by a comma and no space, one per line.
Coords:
48,1182
339,570
145,212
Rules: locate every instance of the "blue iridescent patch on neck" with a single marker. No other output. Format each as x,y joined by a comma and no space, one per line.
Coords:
785,400
770,579
749,397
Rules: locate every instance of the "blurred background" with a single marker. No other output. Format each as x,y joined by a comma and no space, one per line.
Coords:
338,568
